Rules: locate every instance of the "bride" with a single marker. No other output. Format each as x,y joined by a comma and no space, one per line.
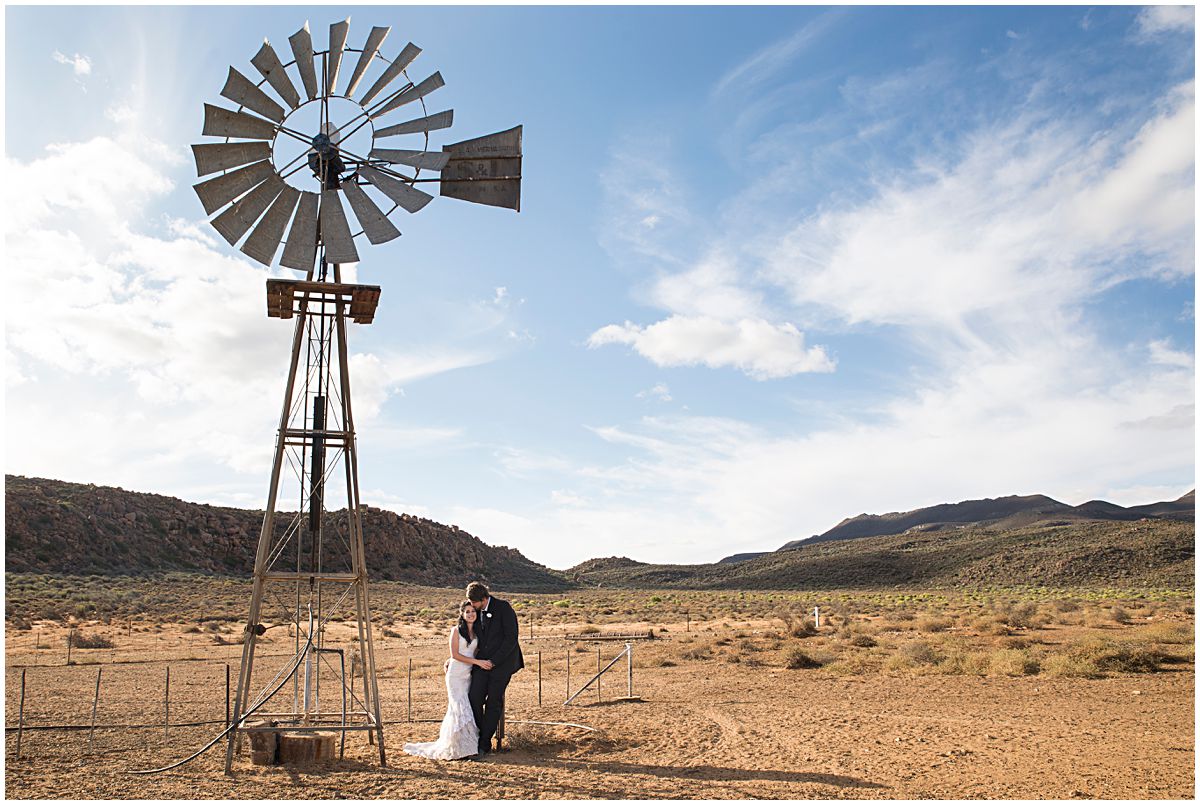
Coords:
459,736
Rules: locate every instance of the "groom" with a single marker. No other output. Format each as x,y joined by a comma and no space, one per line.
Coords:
497,628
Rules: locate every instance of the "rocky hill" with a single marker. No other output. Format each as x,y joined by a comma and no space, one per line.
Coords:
59,527
1150,553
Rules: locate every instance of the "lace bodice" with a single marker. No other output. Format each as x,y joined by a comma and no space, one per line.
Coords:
459,669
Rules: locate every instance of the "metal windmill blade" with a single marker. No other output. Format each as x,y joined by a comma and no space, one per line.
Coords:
267,62
333,58
302,49
411,94
374,42
393,70
442,120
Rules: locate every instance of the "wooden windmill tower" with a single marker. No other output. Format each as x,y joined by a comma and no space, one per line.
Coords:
289,161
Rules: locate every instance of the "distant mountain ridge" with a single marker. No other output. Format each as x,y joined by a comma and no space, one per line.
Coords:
1144,554
1013,511
60,527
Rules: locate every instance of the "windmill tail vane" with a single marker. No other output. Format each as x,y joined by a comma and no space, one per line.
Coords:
311,137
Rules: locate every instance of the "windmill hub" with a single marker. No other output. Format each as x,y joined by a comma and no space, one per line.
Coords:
323,146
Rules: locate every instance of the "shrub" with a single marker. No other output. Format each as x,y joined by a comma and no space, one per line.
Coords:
562,604
797,625
1023,616
798,659
1065,605
1119,615
1092,658
960,661
992,625
914,655
1013,662
1173,633
81,640
863,641
933,624
1067,665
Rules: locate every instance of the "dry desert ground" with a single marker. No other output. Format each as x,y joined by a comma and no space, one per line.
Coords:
870,706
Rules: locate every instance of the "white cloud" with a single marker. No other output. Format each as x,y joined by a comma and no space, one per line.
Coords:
152,331
80,64
712,287
1035,218
660,392
760,349
1153,20
1163,354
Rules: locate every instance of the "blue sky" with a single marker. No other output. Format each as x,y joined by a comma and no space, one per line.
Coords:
774,267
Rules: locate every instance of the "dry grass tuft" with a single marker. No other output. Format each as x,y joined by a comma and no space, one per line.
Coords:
1170,633
930,625
1095,657
1013,662
916,654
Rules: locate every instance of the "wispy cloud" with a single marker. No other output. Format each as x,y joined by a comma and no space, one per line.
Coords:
769,61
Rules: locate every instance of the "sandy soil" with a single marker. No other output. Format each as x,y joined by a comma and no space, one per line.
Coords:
707,729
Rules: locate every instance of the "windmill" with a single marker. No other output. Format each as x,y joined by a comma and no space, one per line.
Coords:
302,143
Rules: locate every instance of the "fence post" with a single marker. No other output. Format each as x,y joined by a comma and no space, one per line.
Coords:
227,696
539,679
70,640
410,689
817,617
629,656
95,704
21,714
597,675
568,672
167,705
688,615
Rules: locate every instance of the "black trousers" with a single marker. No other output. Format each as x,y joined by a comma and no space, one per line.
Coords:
486,695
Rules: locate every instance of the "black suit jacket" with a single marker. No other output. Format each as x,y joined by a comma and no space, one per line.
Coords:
499,637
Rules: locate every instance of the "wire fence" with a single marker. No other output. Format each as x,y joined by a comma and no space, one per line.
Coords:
125,700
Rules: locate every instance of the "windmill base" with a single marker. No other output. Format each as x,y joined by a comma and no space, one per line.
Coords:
272,747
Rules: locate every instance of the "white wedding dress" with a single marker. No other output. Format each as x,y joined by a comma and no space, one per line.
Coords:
459,736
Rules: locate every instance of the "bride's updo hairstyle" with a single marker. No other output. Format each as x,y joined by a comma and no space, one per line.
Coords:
462,622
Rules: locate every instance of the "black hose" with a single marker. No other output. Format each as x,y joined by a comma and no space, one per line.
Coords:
251,711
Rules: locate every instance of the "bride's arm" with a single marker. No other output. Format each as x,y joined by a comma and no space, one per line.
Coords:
455,653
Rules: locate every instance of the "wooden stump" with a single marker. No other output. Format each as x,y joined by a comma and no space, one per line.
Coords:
306,747
264,746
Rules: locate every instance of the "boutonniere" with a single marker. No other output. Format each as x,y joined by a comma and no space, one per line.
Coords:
487,614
